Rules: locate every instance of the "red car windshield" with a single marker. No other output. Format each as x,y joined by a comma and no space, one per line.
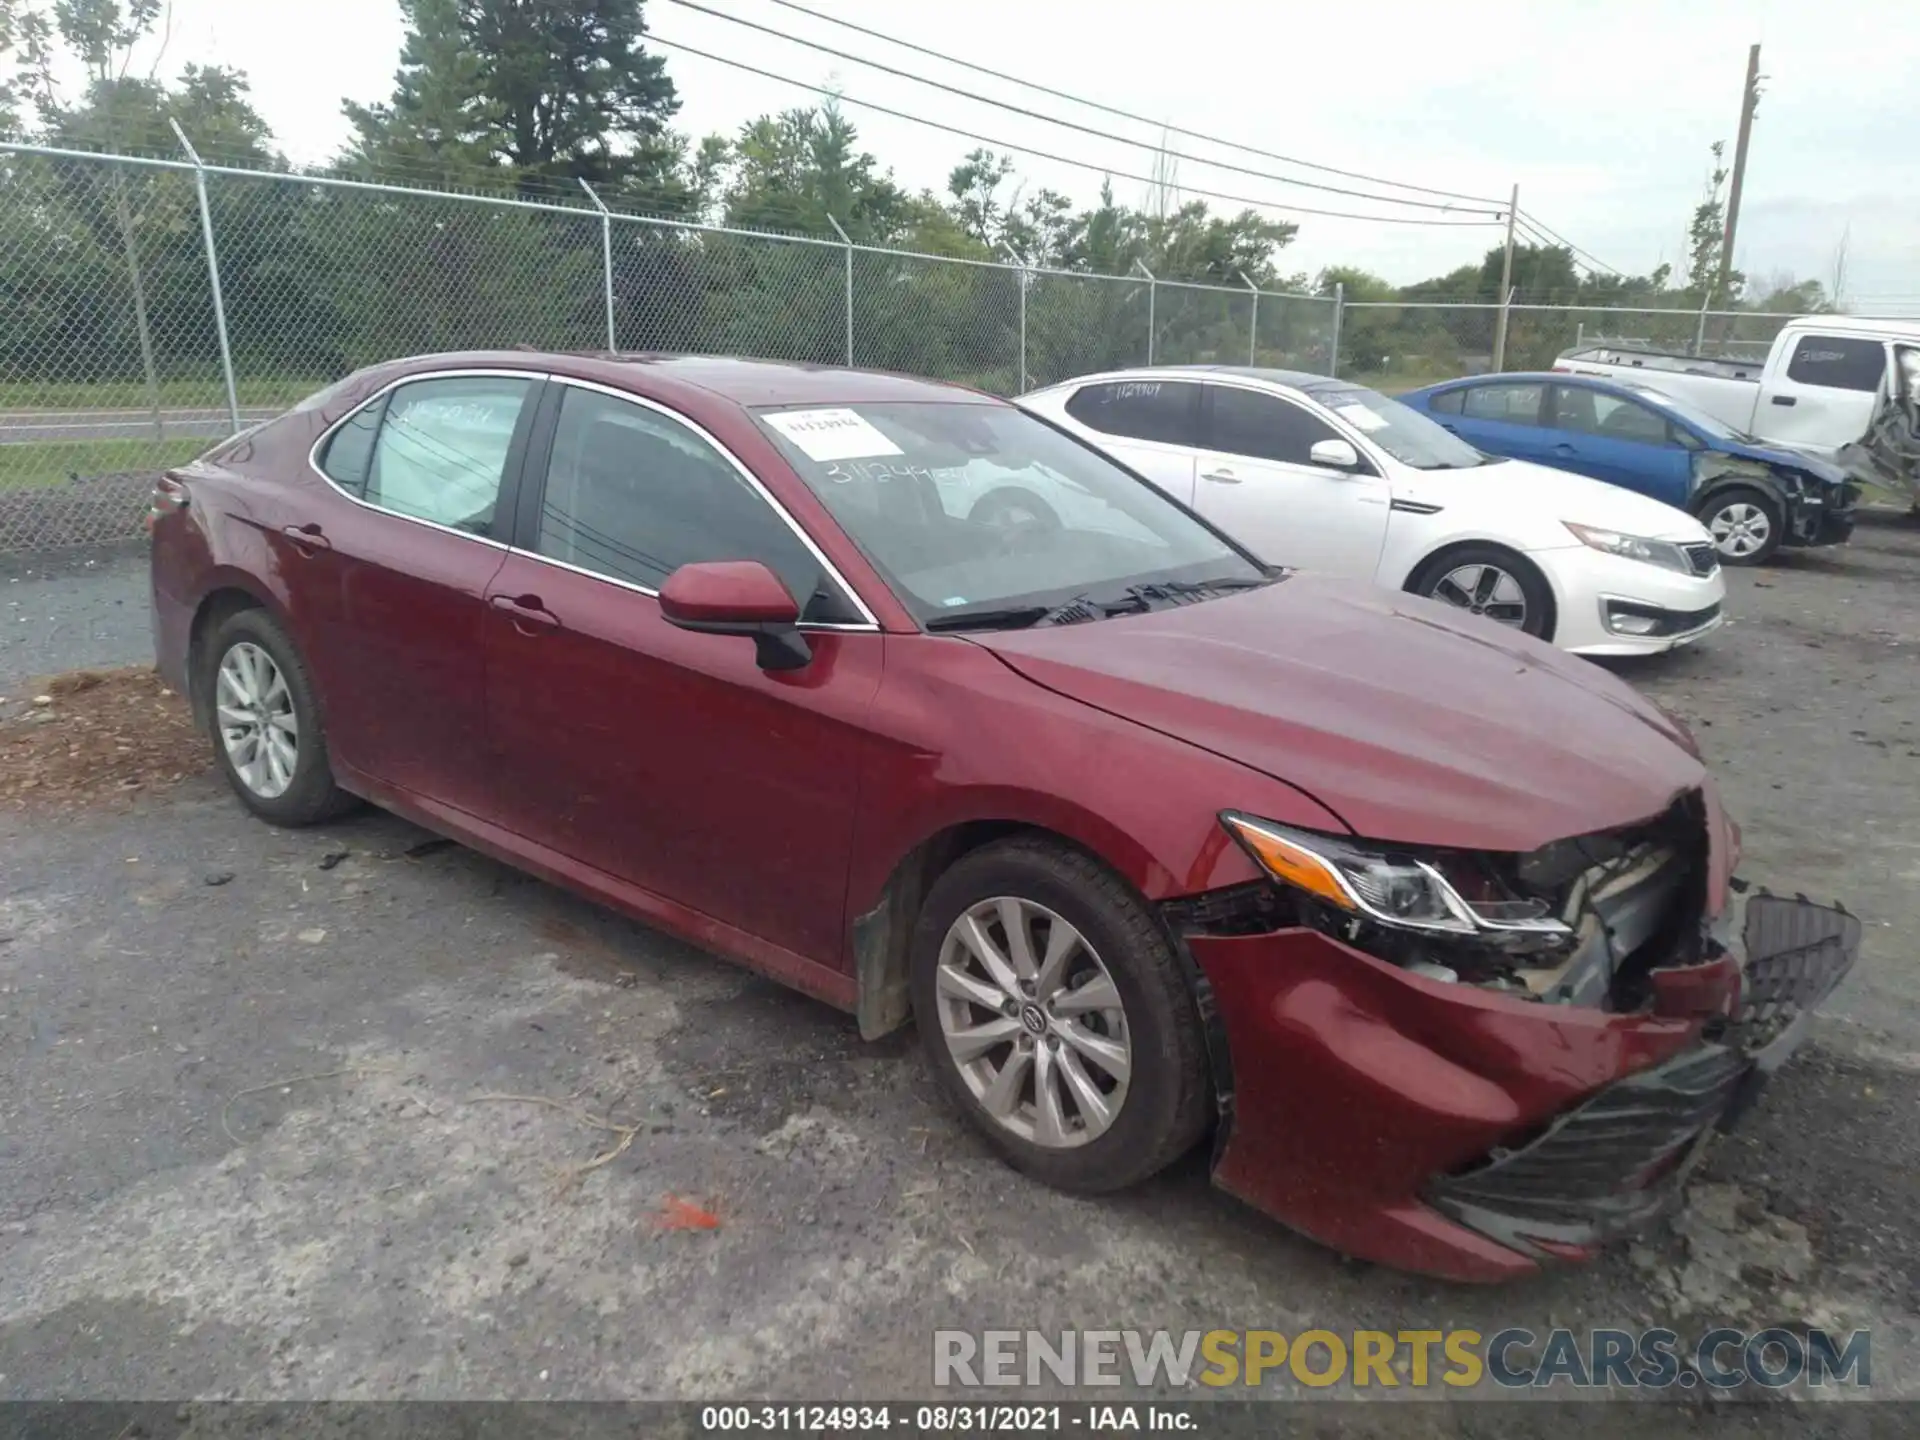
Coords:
974,510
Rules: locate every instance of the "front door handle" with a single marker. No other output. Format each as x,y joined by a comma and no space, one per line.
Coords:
308,539
1784,400
529,616
1563,449
1221,477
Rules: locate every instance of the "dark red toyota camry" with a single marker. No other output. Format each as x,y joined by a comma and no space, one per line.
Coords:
900,695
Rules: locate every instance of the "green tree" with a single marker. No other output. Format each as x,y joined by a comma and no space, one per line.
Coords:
1706,237
551,91
438,119
801,171
27,44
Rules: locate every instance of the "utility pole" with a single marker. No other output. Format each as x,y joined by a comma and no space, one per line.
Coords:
1749,102
1506,289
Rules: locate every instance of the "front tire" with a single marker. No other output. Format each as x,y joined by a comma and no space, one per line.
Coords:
1054,1013
1492,581
1747,525
265,723
1013,507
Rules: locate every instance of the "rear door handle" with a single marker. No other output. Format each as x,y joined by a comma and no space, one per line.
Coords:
1785,400
1563,449
529,616
1221,477
307,539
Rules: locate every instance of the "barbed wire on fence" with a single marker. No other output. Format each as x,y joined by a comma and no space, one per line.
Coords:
153,305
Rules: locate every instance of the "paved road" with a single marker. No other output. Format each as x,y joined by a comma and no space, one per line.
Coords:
81,609
39,427
243,1149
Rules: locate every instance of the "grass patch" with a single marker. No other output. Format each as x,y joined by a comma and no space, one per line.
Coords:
28,467
204,394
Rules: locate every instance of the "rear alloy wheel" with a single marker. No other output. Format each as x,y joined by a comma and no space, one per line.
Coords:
1746,524
255,720
260,708
1491,581
1053,1011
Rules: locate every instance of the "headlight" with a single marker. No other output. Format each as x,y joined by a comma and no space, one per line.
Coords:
1664,553
1389,886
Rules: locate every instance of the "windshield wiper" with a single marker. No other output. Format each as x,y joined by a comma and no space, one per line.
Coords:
1181,589
1133,600
1008,617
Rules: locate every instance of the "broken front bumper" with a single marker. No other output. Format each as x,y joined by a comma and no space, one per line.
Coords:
1440,1128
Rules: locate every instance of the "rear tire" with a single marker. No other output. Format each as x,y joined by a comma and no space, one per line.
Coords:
1107,1024
1747,524
265,722
1499,584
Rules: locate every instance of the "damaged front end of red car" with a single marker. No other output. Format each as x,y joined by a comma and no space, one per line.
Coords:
1471,1065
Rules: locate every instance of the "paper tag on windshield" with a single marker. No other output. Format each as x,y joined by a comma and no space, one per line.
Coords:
831,434
1360,417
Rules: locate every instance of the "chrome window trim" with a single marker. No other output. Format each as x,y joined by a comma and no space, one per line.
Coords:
831,570
871,623
532,377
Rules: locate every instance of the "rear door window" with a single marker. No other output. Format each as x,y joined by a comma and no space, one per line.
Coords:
1447,402
441,450
1506,404
1165,411
1838,362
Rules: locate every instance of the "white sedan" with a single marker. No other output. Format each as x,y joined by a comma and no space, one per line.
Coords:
1310,471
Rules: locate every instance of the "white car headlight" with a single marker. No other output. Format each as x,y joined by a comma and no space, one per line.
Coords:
1664,553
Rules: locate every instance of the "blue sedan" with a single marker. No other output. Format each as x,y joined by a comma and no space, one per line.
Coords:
1753,498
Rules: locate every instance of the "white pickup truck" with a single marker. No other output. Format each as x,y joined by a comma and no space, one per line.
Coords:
1844,388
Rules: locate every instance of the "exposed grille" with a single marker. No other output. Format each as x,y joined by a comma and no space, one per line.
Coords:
1605,1167
1796,953
1702,559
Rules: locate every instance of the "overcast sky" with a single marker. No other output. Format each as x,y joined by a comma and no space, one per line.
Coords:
1601,110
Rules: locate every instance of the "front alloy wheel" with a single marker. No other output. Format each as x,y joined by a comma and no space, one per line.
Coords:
1057,1016
1033,1022
1484,590
1492,582
1745,528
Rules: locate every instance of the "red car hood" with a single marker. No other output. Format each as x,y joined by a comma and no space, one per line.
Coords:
1408,719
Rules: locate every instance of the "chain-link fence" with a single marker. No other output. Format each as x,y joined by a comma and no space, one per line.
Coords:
1396,347
149,307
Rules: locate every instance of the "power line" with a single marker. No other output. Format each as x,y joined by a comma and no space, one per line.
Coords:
1108,170
1129,115
1562,240
978,98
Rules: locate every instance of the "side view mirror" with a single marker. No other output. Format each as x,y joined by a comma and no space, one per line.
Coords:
1334,455
738,597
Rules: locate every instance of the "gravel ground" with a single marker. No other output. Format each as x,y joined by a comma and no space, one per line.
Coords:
72,610
252,1141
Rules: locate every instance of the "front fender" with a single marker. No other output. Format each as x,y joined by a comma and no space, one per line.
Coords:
1714,475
